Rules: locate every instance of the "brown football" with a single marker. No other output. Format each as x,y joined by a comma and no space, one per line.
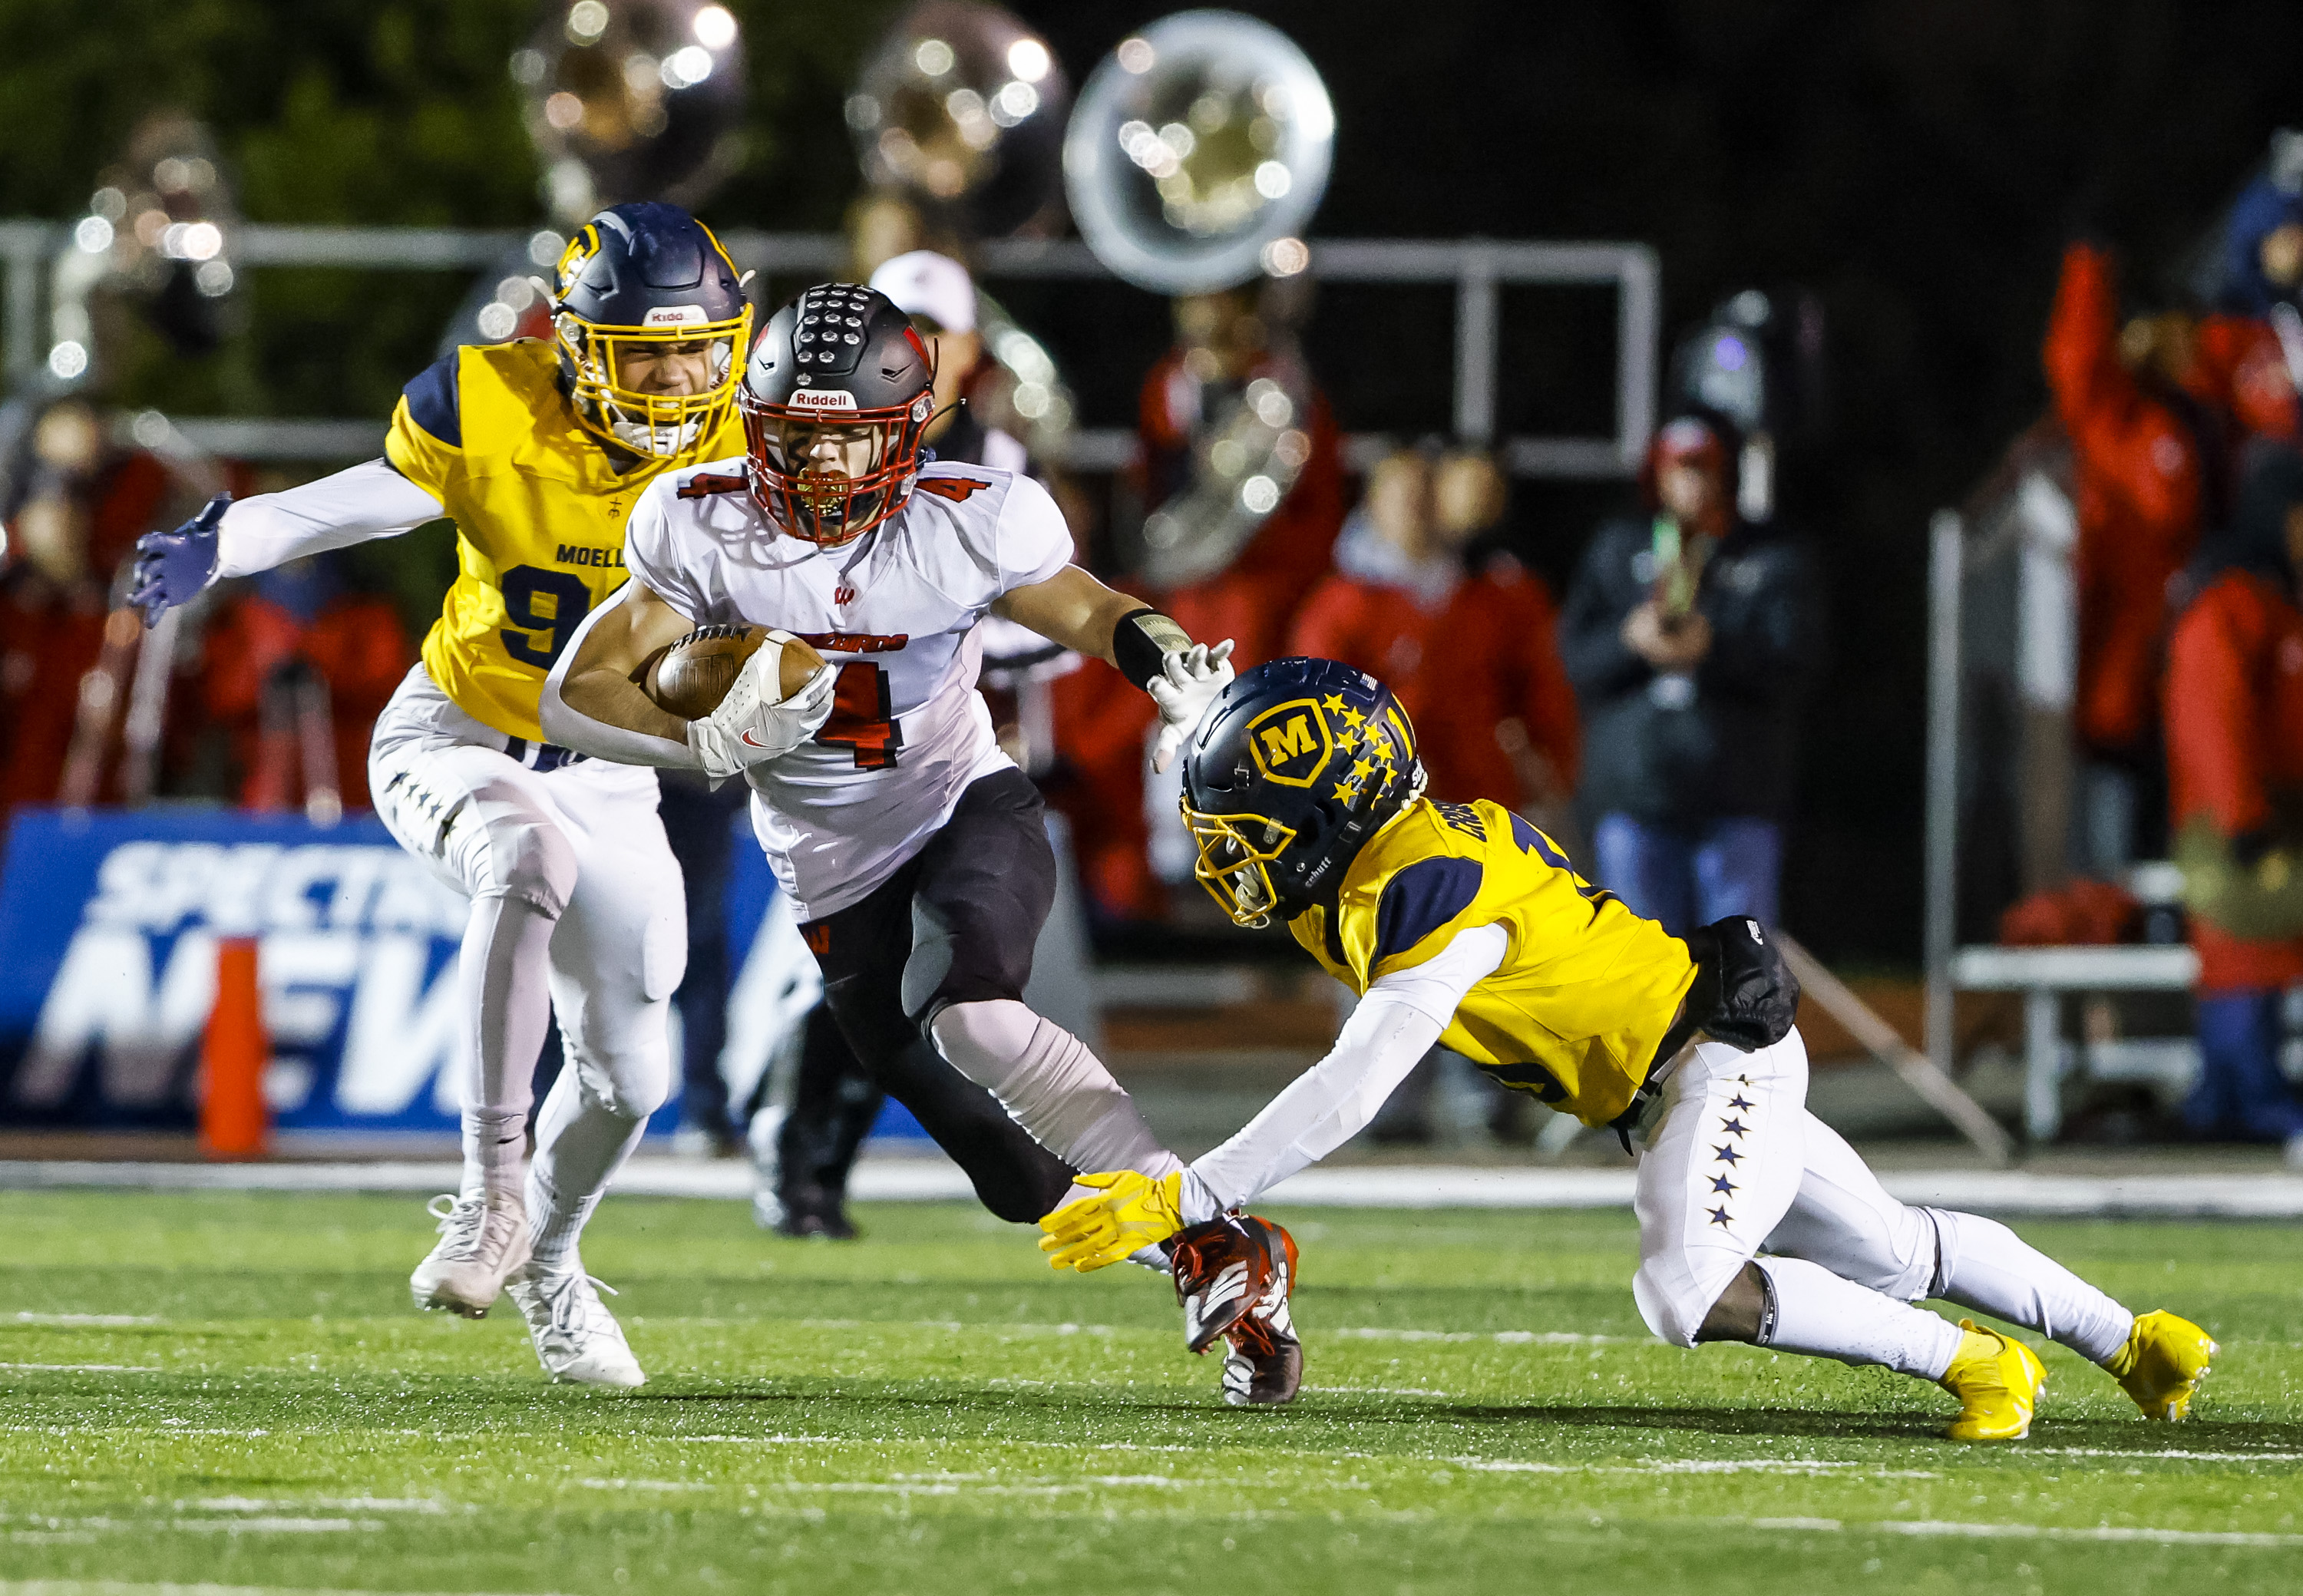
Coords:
690,678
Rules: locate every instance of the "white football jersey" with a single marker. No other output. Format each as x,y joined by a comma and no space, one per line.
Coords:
895,613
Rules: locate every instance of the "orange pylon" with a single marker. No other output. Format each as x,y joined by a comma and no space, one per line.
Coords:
234,1122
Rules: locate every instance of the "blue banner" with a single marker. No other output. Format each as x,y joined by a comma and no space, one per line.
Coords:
109,921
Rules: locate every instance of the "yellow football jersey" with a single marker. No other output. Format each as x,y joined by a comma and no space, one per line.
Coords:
1576,1009
539,509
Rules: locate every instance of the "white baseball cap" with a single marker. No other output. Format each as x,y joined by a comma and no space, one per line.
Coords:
926,283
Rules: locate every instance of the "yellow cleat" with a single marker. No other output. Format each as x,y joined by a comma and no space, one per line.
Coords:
2162,1365
1997,1381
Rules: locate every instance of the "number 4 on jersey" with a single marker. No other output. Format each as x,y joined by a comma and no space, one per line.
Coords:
860,718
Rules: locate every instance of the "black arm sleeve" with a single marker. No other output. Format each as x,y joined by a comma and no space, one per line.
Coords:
1142,642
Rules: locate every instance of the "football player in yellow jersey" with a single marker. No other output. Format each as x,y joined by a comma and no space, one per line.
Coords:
1461,923
536,449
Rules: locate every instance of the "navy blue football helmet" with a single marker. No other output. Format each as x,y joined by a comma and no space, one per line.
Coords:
645,279
1292,769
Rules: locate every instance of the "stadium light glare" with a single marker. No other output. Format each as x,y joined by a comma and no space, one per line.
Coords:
714,28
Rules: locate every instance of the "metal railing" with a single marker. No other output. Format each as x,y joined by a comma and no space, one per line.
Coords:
1479,268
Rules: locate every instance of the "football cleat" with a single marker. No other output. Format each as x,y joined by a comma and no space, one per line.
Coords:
1233,1277
576,1339
483,1241
812,1215
1997,1380
2162,1365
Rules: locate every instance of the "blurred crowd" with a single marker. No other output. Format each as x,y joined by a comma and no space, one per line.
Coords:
1646,711
2184,430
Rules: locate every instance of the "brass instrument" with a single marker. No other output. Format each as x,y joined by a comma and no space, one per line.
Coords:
1198,152
960,110
632,99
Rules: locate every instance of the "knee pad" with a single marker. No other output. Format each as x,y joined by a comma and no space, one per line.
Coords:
631,1085
530,859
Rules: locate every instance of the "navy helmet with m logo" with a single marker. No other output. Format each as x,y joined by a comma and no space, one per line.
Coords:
1296,765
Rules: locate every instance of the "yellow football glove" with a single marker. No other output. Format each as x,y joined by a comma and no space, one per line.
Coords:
1134,1212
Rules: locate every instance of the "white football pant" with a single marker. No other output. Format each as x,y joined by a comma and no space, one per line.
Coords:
1730,1163
577,907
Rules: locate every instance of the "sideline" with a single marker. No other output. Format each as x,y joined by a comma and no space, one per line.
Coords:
936,1179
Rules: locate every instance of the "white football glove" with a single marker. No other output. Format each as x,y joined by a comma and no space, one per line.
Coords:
1189,681
753,723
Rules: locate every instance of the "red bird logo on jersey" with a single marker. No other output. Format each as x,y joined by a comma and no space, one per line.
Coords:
843,595
956,489
704,483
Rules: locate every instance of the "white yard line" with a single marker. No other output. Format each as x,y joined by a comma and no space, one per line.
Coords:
2155,1456
90,1368
342,1504
1506,1337
273,1524
1698,1465
1929,1527
88,1322
116,1587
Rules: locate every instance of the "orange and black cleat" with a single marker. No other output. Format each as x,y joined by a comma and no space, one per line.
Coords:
1233,1277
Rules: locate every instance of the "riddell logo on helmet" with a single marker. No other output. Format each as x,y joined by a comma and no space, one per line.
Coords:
822,399
675,315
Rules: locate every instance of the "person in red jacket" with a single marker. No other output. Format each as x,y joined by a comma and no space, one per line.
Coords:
1225,343
78,507
1101,725
2239,364
2144,488
1469,648
294,623
2234,717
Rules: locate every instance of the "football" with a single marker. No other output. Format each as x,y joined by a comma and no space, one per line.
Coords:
690,677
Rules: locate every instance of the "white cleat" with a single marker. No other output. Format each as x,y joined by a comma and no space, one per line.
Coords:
483,1240
576,1339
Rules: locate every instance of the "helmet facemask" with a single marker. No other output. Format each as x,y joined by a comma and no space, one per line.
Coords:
605,369
1236,853
830,476
1356,773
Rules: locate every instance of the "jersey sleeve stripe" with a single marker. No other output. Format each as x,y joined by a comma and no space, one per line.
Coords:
1421,899
432,400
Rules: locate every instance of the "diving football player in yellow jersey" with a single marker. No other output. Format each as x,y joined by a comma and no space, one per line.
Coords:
1462,924
536,450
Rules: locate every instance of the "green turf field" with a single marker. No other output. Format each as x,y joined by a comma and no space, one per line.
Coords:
232,1390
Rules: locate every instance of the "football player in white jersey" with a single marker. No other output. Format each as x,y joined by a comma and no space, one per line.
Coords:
912,848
